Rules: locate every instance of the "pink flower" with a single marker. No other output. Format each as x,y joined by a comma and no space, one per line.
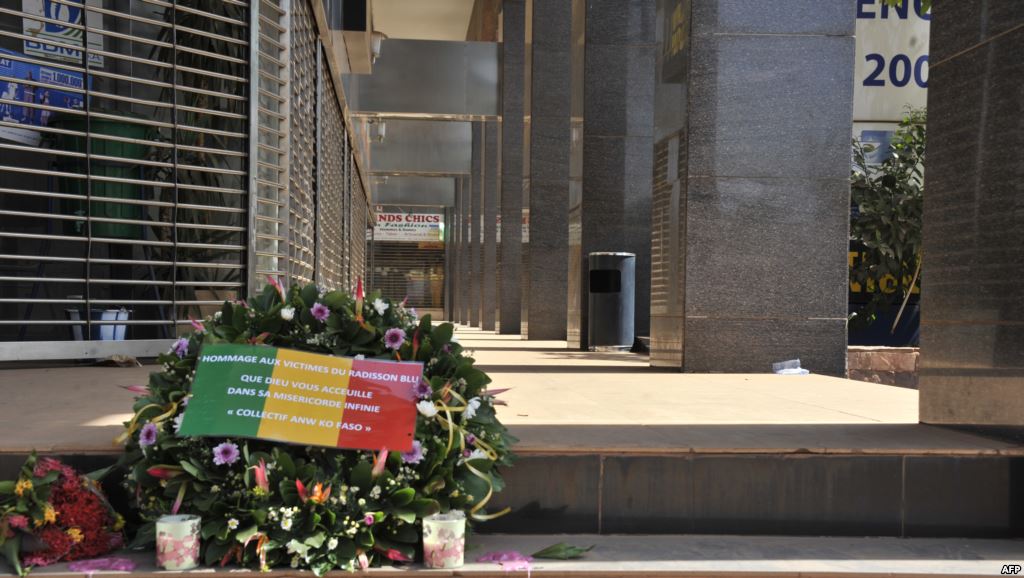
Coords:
180,347
226,454
276,285
415,455
394,338
260,473
17,521
379,462
320,311
197,326
423,389
147,436
368,519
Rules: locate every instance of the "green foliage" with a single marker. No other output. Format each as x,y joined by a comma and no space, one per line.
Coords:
889,201
926,5
562,551
312,507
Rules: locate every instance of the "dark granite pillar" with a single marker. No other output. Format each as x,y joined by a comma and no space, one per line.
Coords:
613,210
513,46
761,148
489,257
545,273
455,248
465,194
475,212
972,299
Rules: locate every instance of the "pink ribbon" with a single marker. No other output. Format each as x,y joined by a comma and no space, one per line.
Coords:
100,564
509,560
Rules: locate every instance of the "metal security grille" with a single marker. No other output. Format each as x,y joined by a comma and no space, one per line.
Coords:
331,244
303,108
412,270
123,163
144,179
269,206
360,212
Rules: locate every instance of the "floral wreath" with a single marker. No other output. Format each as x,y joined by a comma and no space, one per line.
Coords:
266,504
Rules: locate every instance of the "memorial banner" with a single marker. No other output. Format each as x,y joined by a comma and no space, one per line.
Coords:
304,398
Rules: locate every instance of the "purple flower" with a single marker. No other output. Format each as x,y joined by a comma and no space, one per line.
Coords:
466,453
225,454
368,519
180,347
147,436
470,439
447,348
320,311
414,456
394,338
423,389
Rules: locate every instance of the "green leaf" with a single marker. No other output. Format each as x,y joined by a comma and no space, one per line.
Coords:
442,334
7,486
403,497
244,534
562,551
405,515
12,549
425,507
362,475
145,537
309,295
193,469
215,552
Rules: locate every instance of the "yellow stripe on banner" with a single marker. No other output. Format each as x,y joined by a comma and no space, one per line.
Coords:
306,398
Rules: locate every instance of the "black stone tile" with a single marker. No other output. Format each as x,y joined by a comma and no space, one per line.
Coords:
770,105
957,25
650,495
964,496
549,495
775,17
619,92
724,345
767,248
620,22
825,495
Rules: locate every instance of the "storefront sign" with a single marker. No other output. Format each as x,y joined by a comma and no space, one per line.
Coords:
52,40
891,71
304,398
29,116
409,227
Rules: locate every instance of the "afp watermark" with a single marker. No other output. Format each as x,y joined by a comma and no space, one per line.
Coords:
1011,569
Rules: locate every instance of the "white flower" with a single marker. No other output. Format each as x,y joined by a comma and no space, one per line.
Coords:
232,524
295,561
286,524
476,454
471,407
375,492
427,408
380,306
332,543
177,422
288,313
361,502
214,489
455,338
217,316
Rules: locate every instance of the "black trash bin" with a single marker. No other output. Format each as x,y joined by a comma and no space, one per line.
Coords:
612,288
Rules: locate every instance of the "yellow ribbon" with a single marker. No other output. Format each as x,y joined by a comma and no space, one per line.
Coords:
134,424
448,423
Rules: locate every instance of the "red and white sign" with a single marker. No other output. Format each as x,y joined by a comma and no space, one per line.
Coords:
415,227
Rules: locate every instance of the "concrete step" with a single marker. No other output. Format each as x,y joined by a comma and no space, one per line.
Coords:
694,555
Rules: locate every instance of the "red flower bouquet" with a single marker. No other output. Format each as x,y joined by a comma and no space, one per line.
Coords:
53,514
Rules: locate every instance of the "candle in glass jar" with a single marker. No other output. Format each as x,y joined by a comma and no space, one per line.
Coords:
177,542
444,540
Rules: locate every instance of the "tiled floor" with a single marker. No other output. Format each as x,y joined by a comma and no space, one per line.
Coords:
561,401
705,556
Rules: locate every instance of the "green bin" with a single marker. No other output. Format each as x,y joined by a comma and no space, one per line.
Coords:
104,168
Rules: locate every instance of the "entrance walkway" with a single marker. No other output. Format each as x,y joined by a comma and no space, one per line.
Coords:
572,401
561,401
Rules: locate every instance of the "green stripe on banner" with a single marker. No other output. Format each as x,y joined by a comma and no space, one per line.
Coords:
234,378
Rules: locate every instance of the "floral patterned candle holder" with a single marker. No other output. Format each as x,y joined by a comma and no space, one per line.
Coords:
444,540
177,542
